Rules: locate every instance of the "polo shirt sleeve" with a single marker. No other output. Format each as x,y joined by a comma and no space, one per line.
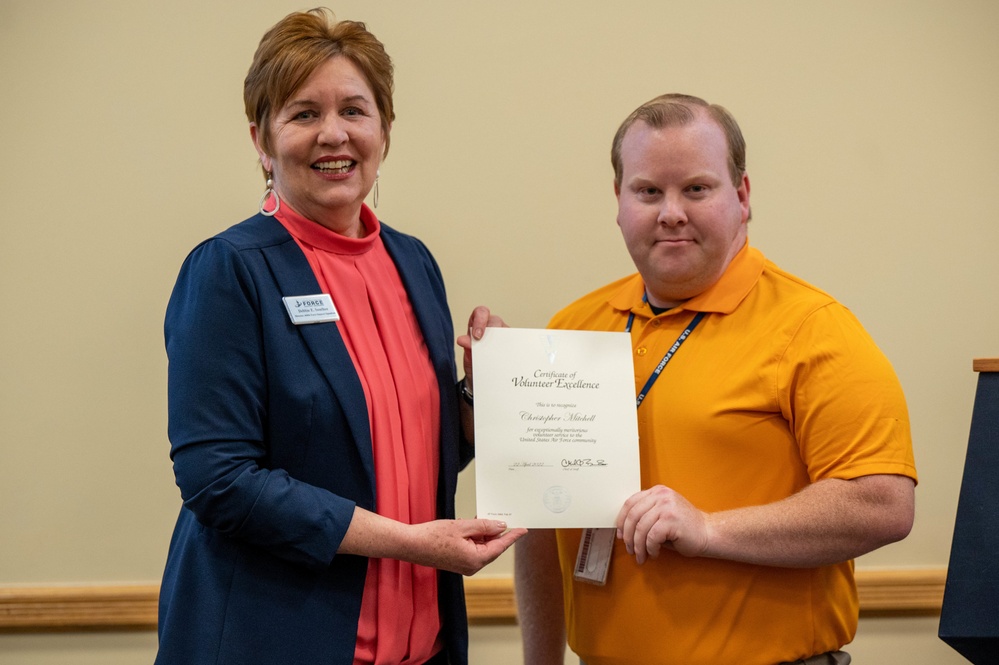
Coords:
843,400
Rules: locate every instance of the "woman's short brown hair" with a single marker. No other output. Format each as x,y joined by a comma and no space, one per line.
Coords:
295,47
674,109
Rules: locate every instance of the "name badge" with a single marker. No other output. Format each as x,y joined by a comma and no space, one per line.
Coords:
311,309
593,558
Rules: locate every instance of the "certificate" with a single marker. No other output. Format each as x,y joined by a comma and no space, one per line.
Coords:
556,428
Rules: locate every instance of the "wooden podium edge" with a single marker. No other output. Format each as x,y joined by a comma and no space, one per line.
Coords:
489,600
985,364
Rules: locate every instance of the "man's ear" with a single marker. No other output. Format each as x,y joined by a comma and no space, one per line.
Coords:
743,194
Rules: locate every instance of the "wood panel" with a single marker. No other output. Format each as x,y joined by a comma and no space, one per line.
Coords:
45,609
490,600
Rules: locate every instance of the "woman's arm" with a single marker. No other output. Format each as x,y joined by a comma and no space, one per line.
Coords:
460,546
220,397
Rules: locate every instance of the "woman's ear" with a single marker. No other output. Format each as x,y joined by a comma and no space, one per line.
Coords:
385,136
265,160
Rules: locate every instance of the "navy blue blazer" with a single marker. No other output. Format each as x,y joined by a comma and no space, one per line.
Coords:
272,450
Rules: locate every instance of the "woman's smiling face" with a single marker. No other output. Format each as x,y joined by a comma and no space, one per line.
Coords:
327,143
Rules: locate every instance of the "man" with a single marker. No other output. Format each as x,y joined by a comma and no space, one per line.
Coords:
775,443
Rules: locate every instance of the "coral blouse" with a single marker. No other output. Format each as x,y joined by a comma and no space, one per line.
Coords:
400,621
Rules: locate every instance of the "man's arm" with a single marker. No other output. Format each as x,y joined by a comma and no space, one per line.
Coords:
539,598
827,522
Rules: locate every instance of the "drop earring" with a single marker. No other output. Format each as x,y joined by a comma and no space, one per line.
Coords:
270,191
374,196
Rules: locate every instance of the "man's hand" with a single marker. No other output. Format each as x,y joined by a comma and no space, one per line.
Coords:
828,521
659,517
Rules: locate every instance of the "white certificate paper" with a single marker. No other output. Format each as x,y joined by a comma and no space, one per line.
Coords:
556,428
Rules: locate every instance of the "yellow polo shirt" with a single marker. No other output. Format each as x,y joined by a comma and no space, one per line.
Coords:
779,386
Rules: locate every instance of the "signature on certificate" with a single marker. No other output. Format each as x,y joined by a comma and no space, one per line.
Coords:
586,461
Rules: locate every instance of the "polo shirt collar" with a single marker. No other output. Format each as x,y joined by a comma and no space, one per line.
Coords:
722,297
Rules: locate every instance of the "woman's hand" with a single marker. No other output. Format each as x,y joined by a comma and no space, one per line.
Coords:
464,546
459,546
480,319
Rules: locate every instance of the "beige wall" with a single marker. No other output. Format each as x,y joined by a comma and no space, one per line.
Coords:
872,154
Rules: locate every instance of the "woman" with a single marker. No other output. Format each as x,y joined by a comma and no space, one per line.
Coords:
315,420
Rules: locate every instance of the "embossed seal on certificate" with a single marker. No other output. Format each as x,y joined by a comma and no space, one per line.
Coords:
557,499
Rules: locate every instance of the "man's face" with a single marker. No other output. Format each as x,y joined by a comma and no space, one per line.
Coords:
681,217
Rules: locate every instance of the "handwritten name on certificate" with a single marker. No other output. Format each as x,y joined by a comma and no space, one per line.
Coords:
556,429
